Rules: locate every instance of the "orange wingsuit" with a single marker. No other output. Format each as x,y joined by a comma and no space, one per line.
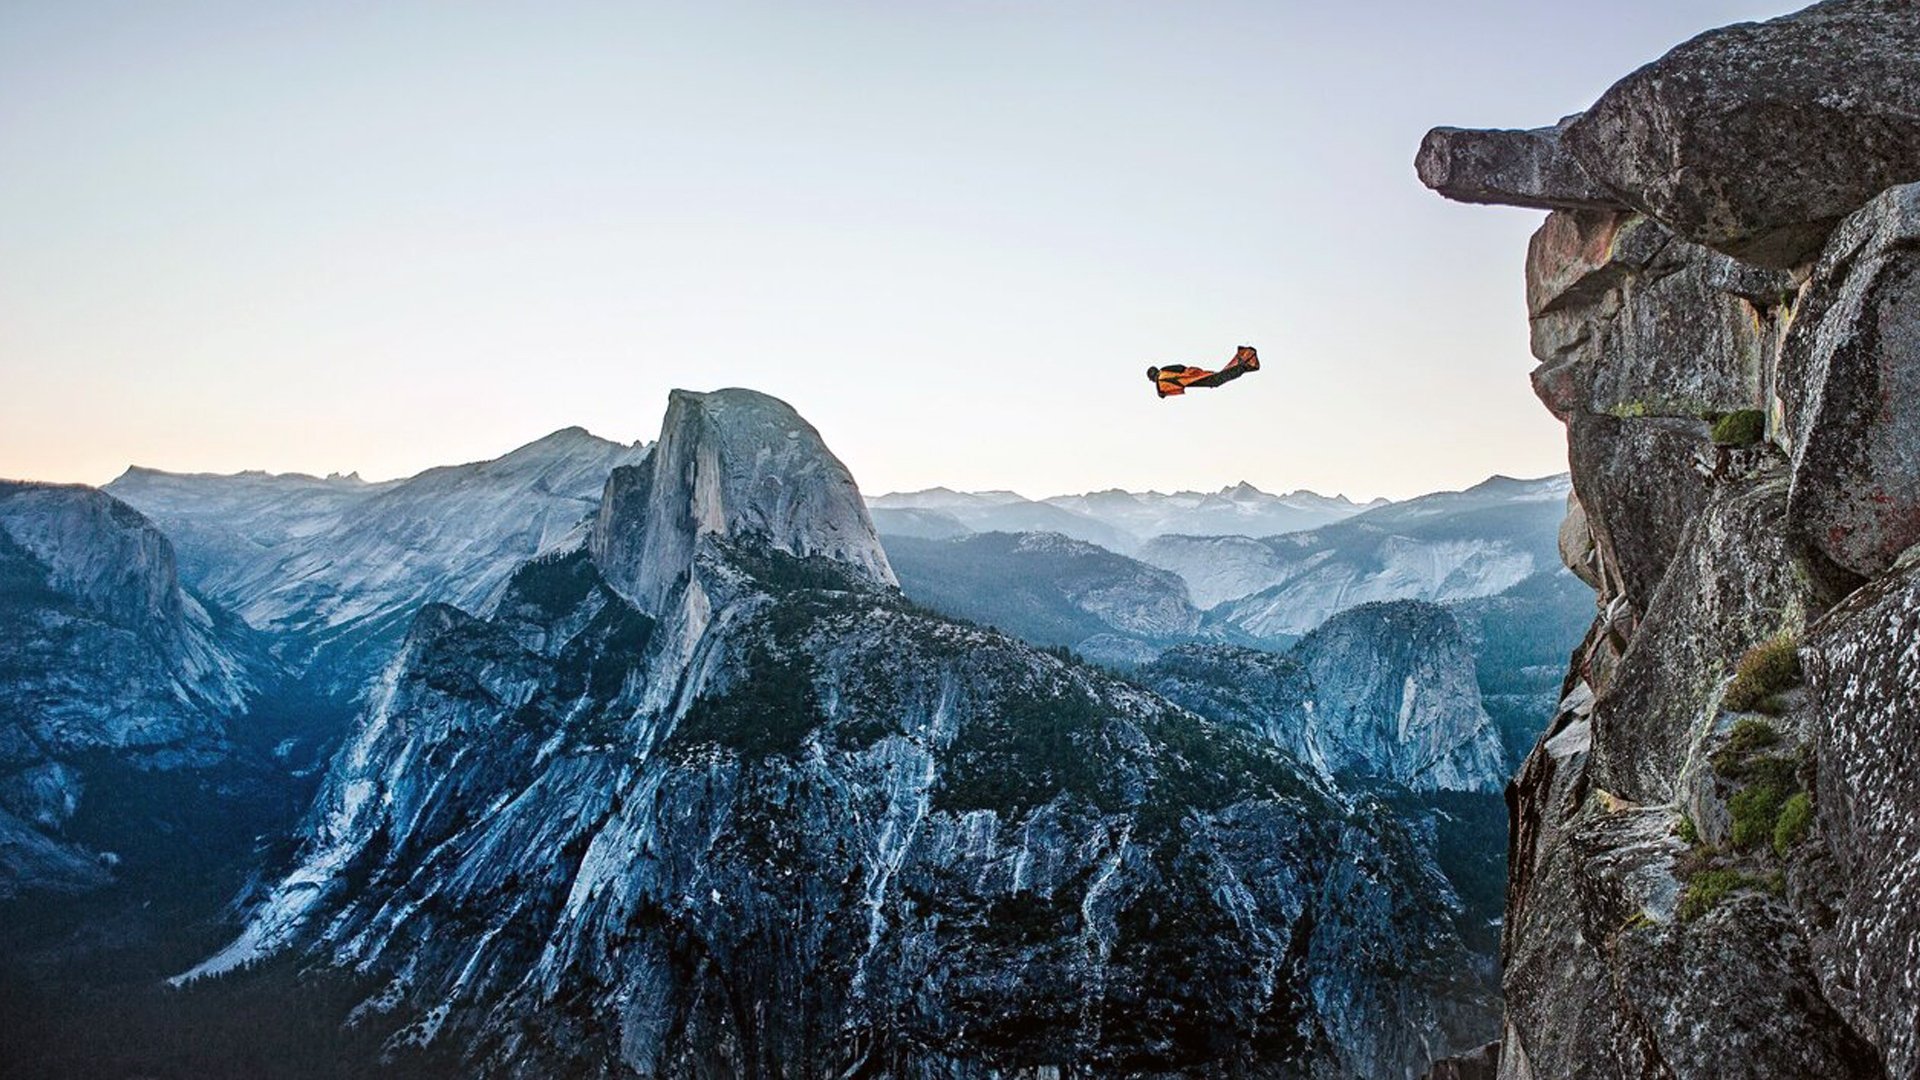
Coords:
1174,379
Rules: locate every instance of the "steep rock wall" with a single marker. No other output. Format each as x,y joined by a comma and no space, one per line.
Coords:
1380,692
1714,844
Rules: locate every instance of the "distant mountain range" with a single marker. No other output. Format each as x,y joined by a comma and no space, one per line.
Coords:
701,793
1117,520
1445,547
1488,555
335,568
1452,545
593,730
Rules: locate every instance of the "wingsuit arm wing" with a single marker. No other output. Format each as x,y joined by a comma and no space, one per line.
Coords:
1172,379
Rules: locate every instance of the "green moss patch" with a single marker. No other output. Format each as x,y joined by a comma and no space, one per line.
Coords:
1757,807
1742,427
1749,736
1796,817
1707,888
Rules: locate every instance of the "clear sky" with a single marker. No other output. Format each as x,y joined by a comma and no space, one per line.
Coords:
383,236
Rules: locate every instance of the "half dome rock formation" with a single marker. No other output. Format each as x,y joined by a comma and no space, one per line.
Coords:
1715,842
730,464
733,469
707,797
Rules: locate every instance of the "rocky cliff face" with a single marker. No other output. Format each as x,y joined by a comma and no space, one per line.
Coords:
1380,702
104,662
1398,696
1714,845
1383,692
334,569
705,797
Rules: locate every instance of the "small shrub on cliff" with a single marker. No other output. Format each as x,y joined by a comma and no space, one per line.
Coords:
1689,832
1639,920
1748,736
1796,817
1025,750
768,712
1765,670
554,585
1742,427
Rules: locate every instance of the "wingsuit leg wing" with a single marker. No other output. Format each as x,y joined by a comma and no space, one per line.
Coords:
1220,378
1174,379
1244,360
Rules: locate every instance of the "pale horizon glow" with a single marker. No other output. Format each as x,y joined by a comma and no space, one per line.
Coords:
384,237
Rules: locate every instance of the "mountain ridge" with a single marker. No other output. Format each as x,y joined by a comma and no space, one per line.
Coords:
335,568
743,713
110,668
1121,520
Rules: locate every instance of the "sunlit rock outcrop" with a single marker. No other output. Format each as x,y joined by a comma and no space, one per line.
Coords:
1756,139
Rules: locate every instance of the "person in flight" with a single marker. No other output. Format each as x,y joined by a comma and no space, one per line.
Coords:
1173,379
